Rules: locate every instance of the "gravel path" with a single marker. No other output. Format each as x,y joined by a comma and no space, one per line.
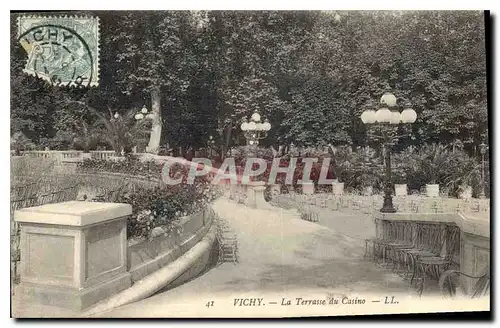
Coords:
281,254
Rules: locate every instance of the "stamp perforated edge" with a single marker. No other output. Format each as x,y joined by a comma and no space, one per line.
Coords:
98,45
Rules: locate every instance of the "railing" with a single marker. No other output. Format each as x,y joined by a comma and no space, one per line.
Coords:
61,155
102,154
71,154
57,156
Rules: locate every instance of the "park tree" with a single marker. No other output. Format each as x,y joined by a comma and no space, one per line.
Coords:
311,73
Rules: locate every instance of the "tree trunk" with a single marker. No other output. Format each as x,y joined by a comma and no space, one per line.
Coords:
228,137
154,139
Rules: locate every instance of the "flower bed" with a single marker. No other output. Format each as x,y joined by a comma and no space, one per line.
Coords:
131,165
154,204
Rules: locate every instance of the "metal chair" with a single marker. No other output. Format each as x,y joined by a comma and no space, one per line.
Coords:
394,238
426,242
433,266
227,242
448,286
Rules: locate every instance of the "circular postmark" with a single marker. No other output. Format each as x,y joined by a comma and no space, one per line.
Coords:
58,54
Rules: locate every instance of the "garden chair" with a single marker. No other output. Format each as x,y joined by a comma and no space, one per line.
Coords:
431,243
403,240
393,238
434,266
322,202
413,206
366,204
332,204
356,202
345,201
308,213
227,242
426,241
449,283
375,204
228,248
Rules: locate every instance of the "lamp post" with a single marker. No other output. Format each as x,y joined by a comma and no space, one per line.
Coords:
385,117
254,129
482,149
143,113
210,143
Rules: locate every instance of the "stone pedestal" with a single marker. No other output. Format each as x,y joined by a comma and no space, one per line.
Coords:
474,260
73,254
255,195
474,248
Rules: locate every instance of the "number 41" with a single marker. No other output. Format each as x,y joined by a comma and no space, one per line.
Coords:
209,304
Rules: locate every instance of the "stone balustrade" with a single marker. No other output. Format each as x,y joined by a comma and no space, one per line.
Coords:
56,155
70,155
102,154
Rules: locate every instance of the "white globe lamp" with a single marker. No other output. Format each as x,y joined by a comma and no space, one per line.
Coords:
383,115
388,99
369,116
408,115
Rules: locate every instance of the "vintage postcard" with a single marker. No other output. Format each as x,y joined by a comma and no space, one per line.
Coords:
249,164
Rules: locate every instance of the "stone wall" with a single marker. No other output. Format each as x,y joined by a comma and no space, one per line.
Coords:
96,262
146,256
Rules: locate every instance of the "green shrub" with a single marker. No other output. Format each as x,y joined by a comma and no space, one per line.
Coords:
159,205
437,164
130,165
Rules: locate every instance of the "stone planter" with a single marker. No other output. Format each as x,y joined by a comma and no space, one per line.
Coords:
255,195
308,188
338,188
401,190
466,193
432,190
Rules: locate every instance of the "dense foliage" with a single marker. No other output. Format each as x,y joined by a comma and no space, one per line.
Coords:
130,165
311,73
160,204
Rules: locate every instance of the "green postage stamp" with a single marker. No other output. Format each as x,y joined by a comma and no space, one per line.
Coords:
61,50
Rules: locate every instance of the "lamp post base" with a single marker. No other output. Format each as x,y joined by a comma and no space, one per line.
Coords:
388,207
